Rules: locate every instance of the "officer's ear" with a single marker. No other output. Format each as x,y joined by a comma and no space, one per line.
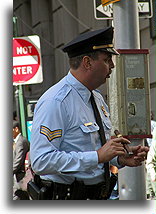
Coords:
86,62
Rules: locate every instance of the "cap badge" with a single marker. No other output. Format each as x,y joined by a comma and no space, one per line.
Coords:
102,46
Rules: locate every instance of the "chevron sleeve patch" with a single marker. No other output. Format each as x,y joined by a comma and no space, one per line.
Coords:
50,134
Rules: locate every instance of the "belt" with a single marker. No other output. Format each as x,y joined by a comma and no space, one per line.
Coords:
75,191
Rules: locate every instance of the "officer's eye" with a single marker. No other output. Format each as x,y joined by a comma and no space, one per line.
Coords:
108,59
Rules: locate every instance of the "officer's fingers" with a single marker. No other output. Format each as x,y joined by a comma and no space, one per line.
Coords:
117,148
140,156
120,153
110,150
144,148
114,144
140,148
138,160
138,163
135,148
121,140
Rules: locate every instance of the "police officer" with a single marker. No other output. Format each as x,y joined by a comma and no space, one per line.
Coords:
66,148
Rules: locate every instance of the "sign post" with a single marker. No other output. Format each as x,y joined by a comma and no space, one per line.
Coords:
22,111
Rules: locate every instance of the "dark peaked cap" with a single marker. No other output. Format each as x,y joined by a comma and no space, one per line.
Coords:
90,42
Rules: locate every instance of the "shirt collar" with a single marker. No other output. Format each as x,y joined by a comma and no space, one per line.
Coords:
82,90
17,137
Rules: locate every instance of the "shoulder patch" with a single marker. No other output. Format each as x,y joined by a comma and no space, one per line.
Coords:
50,134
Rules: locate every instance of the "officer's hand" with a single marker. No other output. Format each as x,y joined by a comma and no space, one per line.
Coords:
139,155
111,149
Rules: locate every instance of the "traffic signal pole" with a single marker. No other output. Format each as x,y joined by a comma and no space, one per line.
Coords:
126,25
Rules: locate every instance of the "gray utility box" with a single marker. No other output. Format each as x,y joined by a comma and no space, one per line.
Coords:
132,113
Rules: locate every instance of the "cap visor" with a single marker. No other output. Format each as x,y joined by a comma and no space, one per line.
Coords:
110,50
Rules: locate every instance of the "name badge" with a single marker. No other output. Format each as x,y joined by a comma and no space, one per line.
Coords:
88,124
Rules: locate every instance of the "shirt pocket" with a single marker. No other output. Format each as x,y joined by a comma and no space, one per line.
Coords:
90,128
107,127
91,135
107,123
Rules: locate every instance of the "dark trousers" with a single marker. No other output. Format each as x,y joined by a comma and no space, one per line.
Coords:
76,191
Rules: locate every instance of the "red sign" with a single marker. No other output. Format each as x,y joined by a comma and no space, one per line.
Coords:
27,67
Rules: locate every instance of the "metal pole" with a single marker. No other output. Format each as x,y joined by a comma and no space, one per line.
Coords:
17,102
15,32
22,111
126,25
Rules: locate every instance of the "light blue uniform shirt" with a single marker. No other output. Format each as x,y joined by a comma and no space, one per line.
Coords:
65,135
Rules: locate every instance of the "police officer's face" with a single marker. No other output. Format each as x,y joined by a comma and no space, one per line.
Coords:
102,68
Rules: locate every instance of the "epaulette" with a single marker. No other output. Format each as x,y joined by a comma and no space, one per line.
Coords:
63,92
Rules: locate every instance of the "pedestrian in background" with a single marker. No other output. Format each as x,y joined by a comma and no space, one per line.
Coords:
153,125
66,143
151,168
20,148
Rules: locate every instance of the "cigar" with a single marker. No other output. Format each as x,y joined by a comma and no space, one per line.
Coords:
126,147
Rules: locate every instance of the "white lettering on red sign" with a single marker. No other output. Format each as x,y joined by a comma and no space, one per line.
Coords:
26,60
24,50
22,70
